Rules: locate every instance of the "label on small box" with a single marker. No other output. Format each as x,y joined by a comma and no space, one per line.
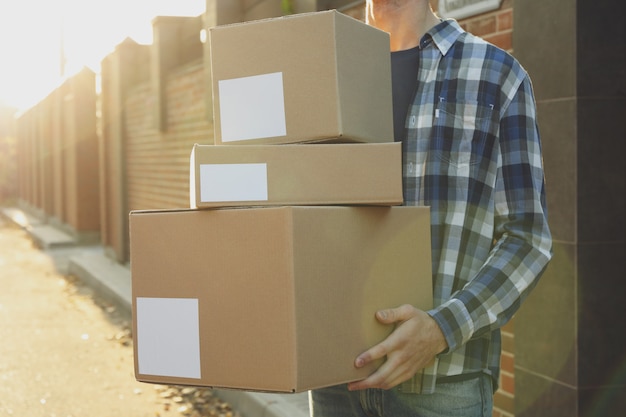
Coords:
252,107
168,337
233,182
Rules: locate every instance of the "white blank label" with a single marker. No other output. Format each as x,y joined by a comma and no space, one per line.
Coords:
168,337
233,182
252,107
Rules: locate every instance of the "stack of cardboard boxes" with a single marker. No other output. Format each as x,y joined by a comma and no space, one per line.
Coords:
271,280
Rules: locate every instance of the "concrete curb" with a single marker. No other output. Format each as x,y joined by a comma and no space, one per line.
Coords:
256,404
92,268
112,281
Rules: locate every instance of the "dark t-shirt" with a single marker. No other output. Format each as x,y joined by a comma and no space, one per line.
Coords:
404,67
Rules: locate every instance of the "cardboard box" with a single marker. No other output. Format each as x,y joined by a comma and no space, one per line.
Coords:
265,175
309,77
278,299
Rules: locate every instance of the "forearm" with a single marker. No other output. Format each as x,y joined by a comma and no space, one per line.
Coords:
489,300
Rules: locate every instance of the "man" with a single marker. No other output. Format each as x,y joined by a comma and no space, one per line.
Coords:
465,113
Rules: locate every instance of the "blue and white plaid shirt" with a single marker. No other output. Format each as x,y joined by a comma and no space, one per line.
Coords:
473,154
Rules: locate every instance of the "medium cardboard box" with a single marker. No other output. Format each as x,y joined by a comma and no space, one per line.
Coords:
278,299
309,77
366,173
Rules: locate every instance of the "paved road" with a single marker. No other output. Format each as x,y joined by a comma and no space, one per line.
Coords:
62,354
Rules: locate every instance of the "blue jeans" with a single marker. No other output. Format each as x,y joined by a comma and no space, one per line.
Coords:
470,398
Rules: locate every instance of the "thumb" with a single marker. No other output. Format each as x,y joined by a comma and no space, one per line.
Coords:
393,315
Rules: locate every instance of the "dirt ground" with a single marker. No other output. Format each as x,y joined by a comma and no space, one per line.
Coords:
64,353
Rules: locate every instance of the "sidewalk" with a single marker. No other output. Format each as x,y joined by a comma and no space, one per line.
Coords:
113,282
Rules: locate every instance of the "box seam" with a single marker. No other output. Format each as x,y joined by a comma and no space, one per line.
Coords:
290,228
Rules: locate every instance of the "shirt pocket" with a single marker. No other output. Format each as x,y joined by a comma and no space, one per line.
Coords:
460,131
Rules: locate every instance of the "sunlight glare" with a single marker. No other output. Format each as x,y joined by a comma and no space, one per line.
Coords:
36,34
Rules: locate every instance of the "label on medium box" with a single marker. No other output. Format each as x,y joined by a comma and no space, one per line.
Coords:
233,182
252,107
168,337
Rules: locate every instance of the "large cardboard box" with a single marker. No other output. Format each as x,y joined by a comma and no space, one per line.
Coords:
367,173
303,78
278,299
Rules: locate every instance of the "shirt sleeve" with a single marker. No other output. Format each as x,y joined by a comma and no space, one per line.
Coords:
522,241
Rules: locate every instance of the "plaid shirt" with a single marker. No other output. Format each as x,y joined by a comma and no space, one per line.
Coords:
472,153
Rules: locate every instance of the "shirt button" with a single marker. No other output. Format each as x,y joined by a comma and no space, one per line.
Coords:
412,121
410,167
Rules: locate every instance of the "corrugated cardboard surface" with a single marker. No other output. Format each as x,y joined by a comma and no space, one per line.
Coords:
296,175
335,71
286,296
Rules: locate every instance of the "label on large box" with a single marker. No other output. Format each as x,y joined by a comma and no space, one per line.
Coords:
233,182
252,107
168,337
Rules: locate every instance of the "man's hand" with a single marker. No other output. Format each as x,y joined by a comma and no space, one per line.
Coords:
412,346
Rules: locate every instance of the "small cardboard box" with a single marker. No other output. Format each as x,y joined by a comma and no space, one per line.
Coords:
309,77
278,299
366,173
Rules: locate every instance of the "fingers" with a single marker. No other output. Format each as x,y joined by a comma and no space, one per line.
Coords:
388,375
406,350
394,315
373,354
381,350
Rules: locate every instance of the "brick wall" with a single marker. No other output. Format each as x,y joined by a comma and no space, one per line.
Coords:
504,399
8,154
57,157
158,162
495,27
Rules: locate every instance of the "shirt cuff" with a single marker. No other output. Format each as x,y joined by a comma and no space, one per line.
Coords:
455,322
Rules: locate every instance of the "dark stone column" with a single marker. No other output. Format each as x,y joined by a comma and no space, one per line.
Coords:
571,333
168,51
126,67
81,160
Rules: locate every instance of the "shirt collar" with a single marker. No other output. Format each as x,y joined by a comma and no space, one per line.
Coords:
443,35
